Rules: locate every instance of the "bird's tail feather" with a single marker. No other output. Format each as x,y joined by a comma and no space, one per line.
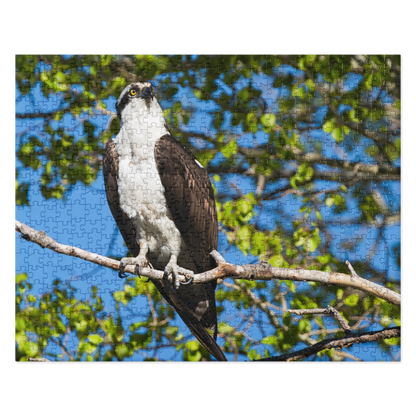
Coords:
202,335
178,301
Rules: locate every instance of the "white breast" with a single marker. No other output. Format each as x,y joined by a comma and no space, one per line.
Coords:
141,192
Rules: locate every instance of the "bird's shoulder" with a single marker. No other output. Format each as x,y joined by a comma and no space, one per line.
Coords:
173,158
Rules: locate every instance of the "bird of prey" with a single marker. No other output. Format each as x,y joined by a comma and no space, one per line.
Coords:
163,203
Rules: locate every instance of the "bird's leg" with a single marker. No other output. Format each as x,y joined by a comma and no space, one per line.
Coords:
173,268
139,261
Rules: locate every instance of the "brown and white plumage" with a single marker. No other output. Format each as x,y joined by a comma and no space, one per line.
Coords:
161,197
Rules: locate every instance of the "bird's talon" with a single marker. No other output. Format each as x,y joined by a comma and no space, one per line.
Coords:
122,275
188,281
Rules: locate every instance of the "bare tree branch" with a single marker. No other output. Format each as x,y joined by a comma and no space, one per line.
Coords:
344,176
261,271
41,239
351,269
328,311
315,157
337,343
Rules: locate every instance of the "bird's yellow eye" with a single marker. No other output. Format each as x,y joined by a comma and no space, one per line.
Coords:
133,92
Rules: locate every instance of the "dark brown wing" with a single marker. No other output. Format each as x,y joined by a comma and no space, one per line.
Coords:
178,299
190,199
191,202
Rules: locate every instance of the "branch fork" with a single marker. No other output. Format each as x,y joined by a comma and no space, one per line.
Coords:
261,271
328,311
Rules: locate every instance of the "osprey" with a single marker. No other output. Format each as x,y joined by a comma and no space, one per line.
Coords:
162,201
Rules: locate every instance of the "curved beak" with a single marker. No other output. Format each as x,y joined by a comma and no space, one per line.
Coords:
146,93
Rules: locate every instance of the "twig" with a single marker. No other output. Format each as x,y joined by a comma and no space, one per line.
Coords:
337,343
261,271
262,305
351,269
261,183
328,311
152,309
107,337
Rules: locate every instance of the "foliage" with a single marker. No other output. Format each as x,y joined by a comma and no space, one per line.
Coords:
300,149
85,330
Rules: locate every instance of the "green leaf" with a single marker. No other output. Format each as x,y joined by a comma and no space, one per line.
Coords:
230,149
252,355
304,326
172,330
194,353
88,348
270,340
352,300
122,351
95,339
243,238
329,126
258,243
337,134
31,298
368,82
268,121
224,328
311,245
397,104
192,345
278,261
21,277
329,201
385,321
391,341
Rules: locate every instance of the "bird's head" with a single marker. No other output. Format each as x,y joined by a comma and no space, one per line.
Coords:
137,98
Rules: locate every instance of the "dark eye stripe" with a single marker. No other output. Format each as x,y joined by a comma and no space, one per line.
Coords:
127,97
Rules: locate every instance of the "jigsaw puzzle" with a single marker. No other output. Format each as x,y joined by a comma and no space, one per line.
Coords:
208,208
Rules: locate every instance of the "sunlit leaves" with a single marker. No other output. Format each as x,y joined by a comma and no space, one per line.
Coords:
240,212
229,150
352,300
63,162
337,201
304,326
303,174
251,123
268,121
98,334
278,261
302,301
258,243
369,208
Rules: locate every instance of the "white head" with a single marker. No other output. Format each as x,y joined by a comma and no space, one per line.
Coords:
137,100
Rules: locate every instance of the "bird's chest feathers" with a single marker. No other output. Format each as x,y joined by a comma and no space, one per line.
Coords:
141,193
